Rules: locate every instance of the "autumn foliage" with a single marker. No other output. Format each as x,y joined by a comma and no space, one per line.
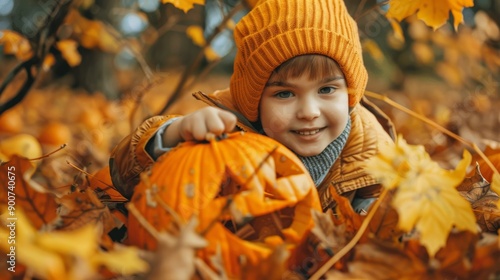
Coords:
242,207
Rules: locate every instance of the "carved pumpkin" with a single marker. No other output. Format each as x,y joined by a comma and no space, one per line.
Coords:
244,183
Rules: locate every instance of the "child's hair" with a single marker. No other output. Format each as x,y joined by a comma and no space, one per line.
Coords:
312,65
275,31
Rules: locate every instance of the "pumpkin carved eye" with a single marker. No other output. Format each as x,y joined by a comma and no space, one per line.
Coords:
248,191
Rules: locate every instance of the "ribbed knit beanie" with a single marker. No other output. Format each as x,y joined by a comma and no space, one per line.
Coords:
276,30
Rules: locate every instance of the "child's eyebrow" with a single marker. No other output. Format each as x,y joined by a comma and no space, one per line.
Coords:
331,79
278,84
285,84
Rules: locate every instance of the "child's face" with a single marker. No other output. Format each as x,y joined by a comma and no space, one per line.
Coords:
305,114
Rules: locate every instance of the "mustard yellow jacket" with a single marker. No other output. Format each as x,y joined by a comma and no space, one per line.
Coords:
369,128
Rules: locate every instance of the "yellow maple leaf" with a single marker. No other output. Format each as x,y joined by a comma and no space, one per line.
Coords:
184,5
43,263
122,260
390,164
426,198
74,254
433,13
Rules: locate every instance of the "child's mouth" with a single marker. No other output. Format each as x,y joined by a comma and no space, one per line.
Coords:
307,132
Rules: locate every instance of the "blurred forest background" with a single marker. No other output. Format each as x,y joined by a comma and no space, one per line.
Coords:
98,68
79,75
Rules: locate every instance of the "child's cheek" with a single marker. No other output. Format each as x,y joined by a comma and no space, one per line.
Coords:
275,124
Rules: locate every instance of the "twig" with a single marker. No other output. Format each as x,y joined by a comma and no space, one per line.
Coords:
199,57
138,56
50,153
30,79
375,7
137,101
433,124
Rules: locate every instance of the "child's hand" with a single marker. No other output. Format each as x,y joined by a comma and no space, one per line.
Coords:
199,125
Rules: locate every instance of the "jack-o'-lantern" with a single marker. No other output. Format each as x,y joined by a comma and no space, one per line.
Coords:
248,192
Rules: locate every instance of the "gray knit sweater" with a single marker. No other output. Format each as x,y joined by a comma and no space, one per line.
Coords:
319,165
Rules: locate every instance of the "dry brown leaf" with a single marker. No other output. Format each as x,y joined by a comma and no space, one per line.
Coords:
486,170
344,214
486,257
487,212
175,256
474,187
381,261
330,236
83,207
383,225
39,207
454,260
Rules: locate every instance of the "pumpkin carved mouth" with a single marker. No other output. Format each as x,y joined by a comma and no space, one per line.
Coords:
248,192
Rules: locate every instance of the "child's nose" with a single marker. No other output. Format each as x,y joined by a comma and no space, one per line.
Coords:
308,109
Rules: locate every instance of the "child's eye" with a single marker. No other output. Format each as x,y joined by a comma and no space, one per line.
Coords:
284,94
327,90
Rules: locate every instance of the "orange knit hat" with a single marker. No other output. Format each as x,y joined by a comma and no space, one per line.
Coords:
276,30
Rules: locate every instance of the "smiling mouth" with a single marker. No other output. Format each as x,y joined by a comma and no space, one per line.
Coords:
307,132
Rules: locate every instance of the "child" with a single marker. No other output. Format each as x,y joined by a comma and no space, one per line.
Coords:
298,78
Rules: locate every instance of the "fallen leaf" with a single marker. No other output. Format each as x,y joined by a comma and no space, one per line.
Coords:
330,236
381,261
486,170
344,214
474,187
486,261
175,254
83,207
41,262
487,212
429,202
40,207
72,254
384,224
426,198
